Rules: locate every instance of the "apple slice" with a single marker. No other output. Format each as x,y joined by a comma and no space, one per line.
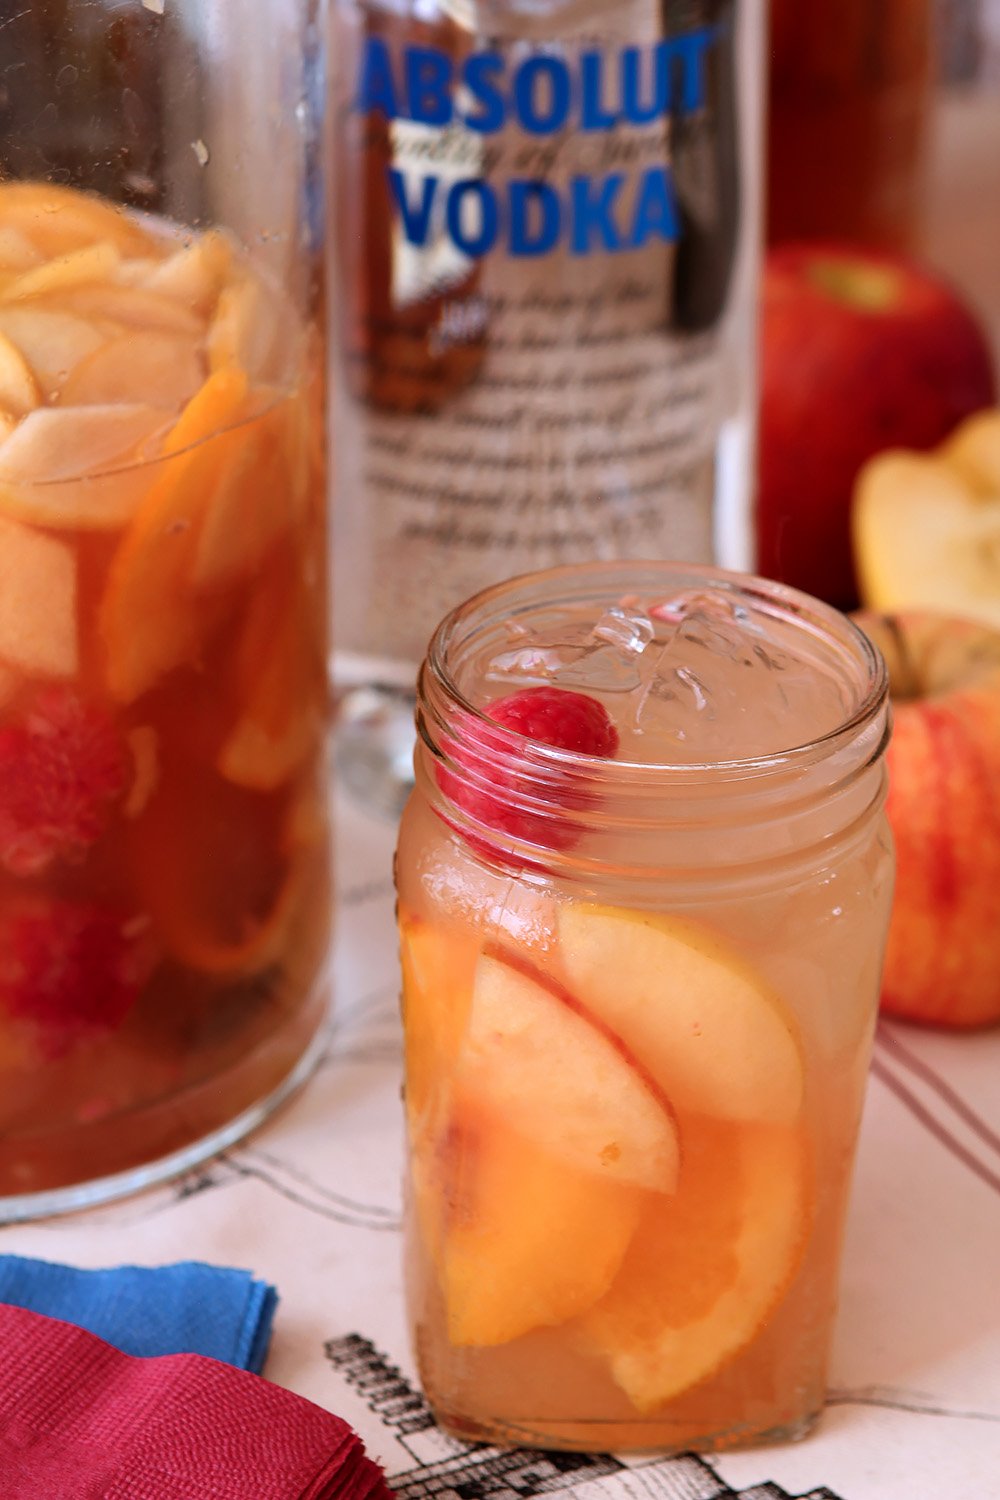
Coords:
76,268
520,1239
60,219
925,537
699,1019
708,1266
246,328
536,1059
164,367
38,629
18,391
133,306
79,467
52,342
193,275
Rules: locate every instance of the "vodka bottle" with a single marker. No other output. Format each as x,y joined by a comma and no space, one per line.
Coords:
546,221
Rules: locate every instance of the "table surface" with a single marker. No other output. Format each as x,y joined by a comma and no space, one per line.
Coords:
312,1203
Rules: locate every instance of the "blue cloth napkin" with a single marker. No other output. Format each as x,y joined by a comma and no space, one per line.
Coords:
188,1308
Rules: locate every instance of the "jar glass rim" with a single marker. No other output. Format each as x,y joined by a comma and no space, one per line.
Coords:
601,583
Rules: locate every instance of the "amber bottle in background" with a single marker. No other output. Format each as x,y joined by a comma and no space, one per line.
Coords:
849,95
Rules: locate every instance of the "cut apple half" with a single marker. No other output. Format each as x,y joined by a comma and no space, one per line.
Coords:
927,530
707,1266
536,1059
519,1238
704,1025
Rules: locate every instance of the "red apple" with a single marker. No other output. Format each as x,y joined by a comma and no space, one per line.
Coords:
942,965
861,351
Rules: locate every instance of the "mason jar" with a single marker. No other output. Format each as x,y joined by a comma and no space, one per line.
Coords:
644,881
164,866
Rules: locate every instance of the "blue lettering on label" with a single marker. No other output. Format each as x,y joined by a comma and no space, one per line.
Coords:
542,93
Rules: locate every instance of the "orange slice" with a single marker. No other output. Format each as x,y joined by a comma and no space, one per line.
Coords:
79,466
18,391
38,628
280,682
708,1028
438,965
521,1240
163,366
149,620
52,342
707,1266
75,268
59,219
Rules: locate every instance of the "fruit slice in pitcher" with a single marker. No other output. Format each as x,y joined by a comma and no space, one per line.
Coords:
521,1239
708,1028
707,1265
537,1061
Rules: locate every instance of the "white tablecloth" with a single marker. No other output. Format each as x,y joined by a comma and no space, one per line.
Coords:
312,1201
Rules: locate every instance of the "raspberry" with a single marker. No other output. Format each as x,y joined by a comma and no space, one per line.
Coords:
550,716
70,971
62,766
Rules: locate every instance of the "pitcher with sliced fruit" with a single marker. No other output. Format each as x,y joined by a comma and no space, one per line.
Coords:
164,881
644,882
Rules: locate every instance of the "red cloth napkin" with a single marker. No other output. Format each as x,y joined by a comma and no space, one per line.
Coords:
79,1420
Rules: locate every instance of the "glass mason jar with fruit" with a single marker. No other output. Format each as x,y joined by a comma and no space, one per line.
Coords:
164,881
644,882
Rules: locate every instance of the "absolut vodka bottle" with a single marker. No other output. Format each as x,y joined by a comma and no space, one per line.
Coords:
545,239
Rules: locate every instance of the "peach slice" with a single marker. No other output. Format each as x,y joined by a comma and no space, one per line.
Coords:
537,1060
708,1029
59,219
52,342
521,1240
438,965
149,618
79,466
161,365
707,1266
76,268
38,629
18,391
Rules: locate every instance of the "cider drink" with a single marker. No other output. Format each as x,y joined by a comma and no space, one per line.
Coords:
164,885
644,881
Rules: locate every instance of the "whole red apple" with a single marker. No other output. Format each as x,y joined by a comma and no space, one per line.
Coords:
942,964
860,351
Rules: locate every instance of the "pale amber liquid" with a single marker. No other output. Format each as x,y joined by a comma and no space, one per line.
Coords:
813,939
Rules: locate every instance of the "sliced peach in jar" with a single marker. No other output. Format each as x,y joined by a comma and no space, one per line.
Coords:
438,961
149,620
708,1028
708,1266
520,1239
38,626
537,1060
79,467
164,366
